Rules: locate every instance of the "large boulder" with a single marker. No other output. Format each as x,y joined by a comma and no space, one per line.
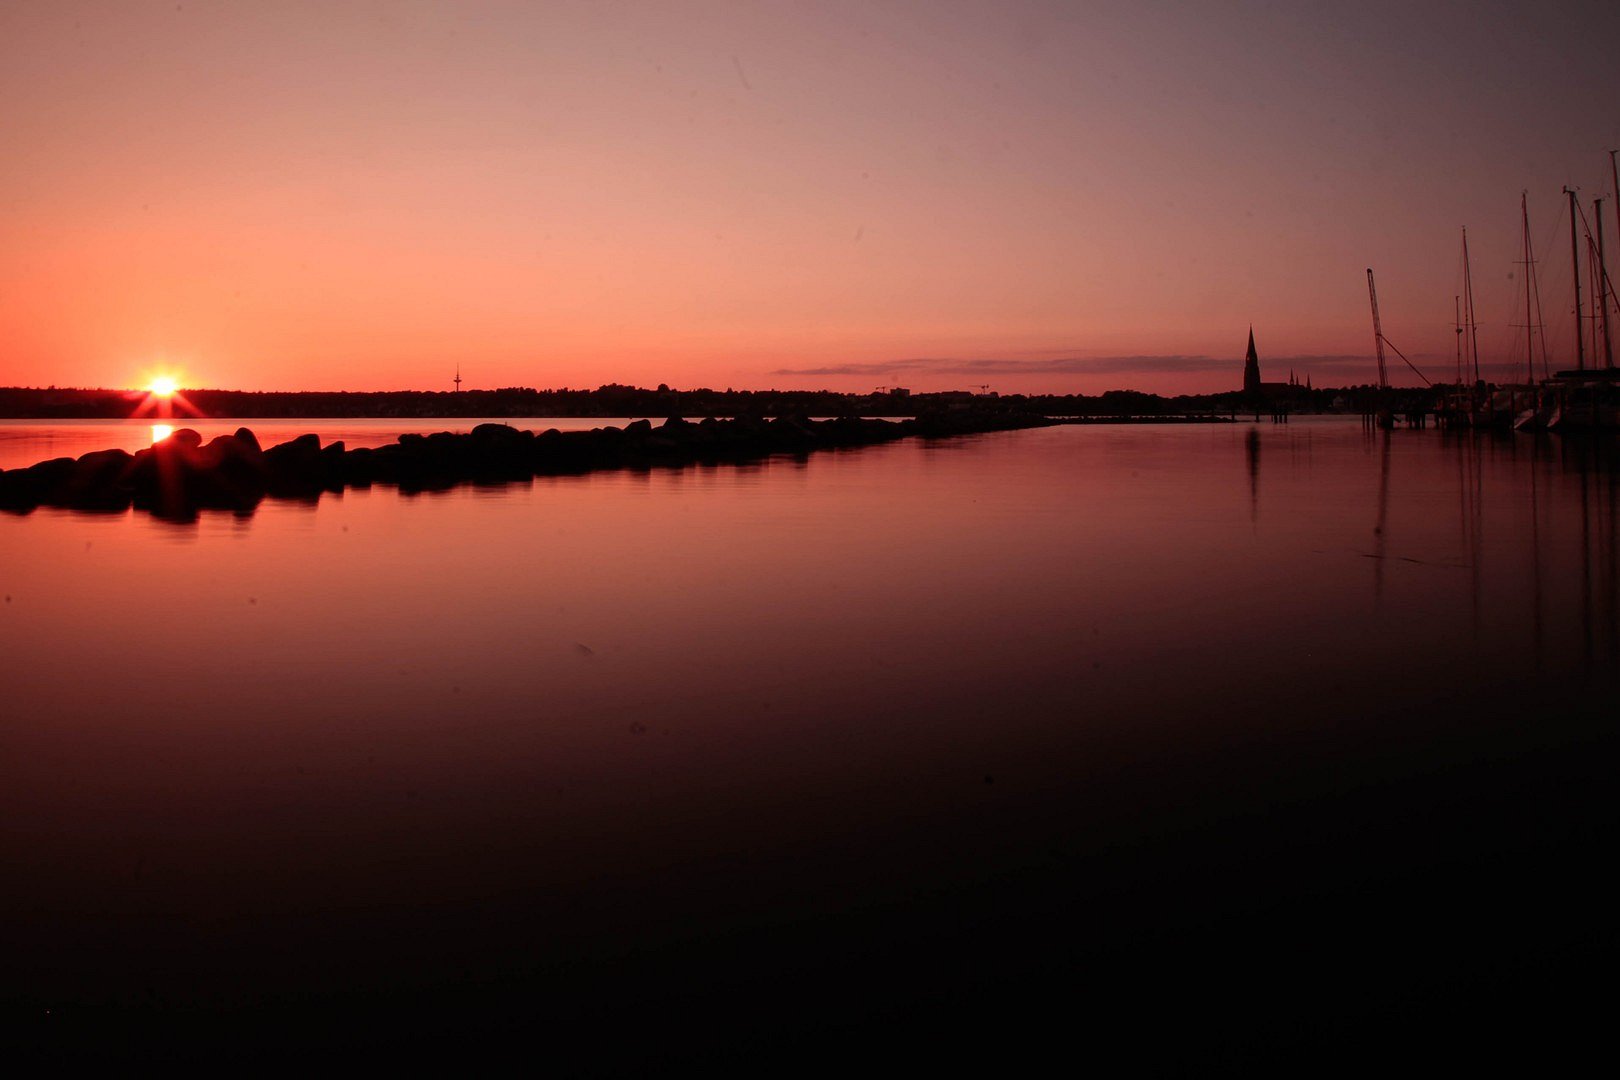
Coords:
295,469
302,451
96,482
24,489
793,431
498,433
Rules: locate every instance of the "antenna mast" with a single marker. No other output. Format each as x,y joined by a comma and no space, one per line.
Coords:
458,376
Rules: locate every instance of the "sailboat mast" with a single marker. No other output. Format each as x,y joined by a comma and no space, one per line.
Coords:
1456,313
1602,283
1575,261
1592,290
1614,182
1468,291
1535,289
1529,317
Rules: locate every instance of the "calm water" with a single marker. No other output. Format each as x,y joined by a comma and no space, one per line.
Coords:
1271,738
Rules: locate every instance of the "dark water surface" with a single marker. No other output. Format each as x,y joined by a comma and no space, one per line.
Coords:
1171,746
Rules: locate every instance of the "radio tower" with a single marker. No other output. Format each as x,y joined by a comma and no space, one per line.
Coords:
458,376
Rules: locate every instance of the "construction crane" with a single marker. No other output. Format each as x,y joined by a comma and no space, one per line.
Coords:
1381,340
1378,332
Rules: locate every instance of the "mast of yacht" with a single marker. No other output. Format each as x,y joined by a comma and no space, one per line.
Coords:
1468,309
1575,261
1594,290
1614,183
1603,288
1529,315
1535,289
1456,318
1533,321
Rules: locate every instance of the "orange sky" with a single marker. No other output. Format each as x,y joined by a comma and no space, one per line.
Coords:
1037,196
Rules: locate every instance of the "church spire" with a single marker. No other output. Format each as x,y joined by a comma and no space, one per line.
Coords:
1251,368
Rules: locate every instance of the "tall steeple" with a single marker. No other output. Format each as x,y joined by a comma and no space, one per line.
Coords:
1251,369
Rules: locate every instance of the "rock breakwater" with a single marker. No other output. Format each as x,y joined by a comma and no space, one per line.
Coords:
181,476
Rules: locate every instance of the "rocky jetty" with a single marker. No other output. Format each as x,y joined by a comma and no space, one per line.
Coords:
182,475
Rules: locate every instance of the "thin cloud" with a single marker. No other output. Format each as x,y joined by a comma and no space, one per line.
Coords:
1089,365
1059,366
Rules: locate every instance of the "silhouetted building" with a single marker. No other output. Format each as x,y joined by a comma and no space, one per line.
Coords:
1256,391
1251,369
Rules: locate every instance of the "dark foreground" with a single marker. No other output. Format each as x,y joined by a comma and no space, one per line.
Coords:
1397,892
180,476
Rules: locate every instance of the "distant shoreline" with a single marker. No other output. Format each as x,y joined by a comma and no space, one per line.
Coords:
17,403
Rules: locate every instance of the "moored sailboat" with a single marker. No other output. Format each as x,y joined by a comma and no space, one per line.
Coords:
1541,411
1588,398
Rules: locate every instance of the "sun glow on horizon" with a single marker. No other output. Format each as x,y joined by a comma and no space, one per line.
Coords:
162,398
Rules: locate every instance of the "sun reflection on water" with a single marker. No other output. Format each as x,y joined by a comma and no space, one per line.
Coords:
161,432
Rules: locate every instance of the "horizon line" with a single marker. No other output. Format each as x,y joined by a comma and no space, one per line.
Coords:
623,387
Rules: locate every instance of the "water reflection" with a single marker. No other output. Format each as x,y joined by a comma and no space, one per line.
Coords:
1594,465
1470,483
1381,523
1537,623
1251,447
970,720
1550,506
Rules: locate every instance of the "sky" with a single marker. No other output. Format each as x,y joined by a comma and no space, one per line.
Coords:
1029,196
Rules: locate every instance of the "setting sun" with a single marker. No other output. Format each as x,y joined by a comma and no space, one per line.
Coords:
162,397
